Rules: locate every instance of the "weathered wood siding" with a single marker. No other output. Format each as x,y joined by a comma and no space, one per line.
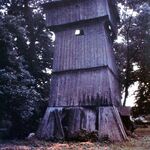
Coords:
93,49
68,11
63,122
115,89
110,124
93,87
84,83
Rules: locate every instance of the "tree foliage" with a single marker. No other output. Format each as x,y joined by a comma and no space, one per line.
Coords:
134,50
25,56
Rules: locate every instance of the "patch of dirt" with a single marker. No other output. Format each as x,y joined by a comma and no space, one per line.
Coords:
141,142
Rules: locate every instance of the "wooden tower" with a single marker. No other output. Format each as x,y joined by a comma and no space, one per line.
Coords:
85,92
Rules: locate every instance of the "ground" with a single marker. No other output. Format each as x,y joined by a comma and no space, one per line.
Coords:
141,142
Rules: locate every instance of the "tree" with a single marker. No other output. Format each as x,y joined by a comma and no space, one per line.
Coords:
39,46
143,74
25,54
18,95
134,49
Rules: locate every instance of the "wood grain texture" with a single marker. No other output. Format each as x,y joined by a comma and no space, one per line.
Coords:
85,88
110,124
92,49
105,120
64,12
51,126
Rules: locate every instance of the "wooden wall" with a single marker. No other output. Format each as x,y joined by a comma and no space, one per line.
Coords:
65,122
67,11
84,69
93,87
93,49
84,83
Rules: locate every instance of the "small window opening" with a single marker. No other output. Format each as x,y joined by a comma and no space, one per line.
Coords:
109,27
79,32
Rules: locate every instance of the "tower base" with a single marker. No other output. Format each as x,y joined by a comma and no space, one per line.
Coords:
62,122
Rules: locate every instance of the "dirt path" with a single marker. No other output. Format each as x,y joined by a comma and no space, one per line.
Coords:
142,142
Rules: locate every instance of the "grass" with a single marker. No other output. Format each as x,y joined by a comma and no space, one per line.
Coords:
141,142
